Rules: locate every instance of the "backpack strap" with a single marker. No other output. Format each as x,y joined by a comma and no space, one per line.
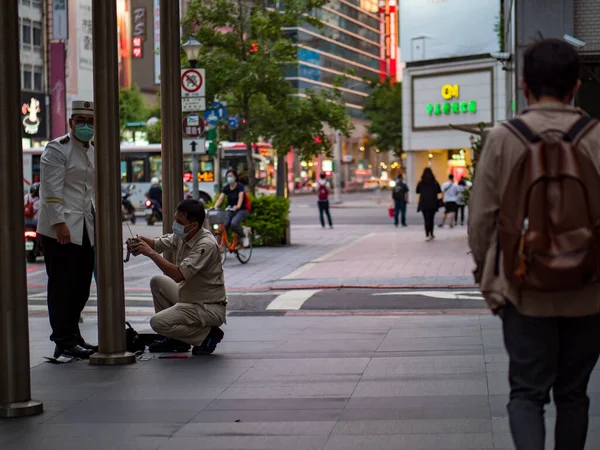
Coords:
521,130
583,126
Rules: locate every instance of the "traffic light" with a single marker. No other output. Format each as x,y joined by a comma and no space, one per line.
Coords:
212,141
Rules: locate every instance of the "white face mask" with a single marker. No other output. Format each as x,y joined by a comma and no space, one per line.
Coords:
230,180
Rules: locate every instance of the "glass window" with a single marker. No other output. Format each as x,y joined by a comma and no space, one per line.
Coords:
38,84
138,174
37,34
123,171
27,78
354,13
155,166
26,31
334,49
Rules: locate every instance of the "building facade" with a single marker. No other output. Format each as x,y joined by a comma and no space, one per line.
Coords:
449,81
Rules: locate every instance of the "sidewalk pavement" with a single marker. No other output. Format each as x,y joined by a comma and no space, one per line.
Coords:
307,383
348,255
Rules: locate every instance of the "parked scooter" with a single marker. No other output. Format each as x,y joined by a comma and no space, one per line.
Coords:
33,243
153,212
127,208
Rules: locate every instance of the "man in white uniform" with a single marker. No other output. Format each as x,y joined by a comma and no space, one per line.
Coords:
66,223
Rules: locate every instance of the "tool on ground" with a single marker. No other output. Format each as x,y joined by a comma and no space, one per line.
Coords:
178,356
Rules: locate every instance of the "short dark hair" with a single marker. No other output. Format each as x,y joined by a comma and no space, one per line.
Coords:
451,176
323,175
193,210
551,68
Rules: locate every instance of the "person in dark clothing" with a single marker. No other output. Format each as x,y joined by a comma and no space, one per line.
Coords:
155,192
323,188
399,194
429,191
235,193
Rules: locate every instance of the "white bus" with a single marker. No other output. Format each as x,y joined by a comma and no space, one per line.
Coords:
139,164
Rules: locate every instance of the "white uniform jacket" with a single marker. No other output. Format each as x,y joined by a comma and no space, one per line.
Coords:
67,188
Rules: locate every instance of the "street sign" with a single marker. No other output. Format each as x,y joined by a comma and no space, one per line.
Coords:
216,113
193,126
191,146
233,122
192,83
193,104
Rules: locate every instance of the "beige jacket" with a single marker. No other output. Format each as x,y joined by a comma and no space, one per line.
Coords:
498,158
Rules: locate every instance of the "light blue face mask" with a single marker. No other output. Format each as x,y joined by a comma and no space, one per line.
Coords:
84,132
230,180
179,230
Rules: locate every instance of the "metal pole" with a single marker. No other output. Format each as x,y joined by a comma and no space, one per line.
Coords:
109,234
337,162
281,182
195,170
170,103
15,379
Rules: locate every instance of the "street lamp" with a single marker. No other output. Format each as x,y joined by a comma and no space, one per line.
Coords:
192,51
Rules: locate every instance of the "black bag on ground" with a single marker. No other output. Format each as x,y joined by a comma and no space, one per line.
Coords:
133,341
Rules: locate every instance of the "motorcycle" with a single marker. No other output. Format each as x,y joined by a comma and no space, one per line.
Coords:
153,212
127,208
33,244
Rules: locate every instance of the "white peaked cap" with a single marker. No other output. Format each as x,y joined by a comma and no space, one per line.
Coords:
82,107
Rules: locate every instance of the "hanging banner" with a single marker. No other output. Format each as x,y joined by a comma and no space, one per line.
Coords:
60,20
58,114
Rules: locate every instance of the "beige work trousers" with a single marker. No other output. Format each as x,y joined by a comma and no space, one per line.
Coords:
187,322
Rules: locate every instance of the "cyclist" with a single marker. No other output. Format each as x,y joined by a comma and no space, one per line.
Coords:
237,211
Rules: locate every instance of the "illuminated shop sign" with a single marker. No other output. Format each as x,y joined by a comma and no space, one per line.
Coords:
451,92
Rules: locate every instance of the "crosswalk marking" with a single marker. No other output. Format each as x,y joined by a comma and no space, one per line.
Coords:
448,295
292,300
136,298
94,309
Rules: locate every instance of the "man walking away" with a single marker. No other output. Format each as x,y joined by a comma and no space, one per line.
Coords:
460,202
451,192
66,223
399,195
533,233
323,200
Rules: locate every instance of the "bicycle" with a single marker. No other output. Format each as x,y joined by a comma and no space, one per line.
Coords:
216,219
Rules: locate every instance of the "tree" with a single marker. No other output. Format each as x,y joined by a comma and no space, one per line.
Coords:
245,51
154,132
132,107
384,109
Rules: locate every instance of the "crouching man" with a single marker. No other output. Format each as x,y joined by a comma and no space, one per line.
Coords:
189,298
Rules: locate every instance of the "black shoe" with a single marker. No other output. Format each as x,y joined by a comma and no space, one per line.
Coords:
168,345
76,351
209,345
89,346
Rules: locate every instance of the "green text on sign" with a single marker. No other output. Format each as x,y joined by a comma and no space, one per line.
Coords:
438,109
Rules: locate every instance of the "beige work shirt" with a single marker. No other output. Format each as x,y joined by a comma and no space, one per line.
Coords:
199,261
499,156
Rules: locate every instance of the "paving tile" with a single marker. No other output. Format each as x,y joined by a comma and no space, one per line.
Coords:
246,442
164,392
432,426
436,332
342,389
331,346
257,429
67,443
131,411
420,344
467,441
466,384
390,368
268,415
277,404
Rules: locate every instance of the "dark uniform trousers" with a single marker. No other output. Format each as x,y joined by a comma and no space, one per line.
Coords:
70,269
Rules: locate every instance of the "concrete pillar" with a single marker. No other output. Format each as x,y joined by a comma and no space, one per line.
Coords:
412,174
15,379
109,233
170,104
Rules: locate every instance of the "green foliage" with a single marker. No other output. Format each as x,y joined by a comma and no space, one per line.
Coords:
499,27
269,219
245,50
476,147
154,133
132,107
384,110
